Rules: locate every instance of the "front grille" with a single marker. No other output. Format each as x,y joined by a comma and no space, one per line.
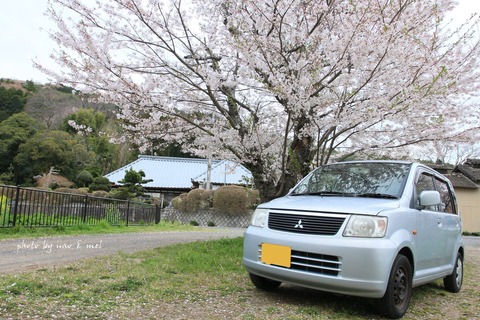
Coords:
313,263
320,224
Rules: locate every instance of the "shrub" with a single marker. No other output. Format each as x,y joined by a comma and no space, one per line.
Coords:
54,182
84,178
100,194
230,199
194,223
253,198
176,202
84,190
72,191
100,183
211,224
180,202
198,199
120,194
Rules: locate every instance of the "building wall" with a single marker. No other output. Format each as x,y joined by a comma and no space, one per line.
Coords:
469,204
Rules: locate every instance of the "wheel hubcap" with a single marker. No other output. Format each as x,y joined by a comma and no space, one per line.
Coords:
400,287
459,272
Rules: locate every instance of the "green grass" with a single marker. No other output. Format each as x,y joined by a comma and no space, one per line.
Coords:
105,284
102,227
200,280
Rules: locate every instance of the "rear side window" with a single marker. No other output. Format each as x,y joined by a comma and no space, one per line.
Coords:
446,196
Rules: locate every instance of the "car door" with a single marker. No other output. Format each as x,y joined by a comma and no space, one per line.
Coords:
450,224
429,237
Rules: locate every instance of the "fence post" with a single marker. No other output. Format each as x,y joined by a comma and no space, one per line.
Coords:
17,196
158,213
128,212
84,218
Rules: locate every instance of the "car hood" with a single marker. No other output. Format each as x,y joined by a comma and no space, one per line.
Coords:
332,204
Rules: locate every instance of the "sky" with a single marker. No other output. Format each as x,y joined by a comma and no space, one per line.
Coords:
22,39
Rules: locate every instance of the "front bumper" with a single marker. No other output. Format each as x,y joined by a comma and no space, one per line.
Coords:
364,264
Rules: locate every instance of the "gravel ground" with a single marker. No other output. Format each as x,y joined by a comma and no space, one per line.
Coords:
20,255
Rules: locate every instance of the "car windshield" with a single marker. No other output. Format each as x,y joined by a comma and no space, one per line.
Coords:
359,179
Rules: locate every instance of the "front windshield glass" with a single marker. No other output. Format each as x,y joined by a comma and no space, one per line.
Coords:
356,179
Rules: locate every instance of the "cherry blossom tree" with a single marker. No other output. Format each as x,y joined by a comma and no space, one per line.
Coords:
280,86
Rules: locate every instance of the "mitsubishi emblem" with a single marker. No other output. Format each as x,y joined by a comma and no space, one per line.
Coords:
299,224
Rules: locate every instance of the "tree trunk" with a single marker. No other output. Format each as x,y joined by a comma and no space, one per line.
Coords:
297,166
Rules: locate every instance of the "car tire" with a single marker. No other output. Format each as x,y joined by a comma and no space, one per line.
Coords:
264,283
453,282
394,303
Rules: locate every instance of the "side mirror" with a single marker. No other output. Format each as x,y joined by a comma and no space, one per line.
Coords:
429,198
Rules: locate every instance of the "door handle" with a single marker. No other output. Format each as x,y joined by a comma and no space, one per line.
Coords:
439,222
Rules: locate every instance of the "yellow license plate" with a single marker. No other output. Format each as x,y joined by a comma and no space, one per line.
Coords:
276,254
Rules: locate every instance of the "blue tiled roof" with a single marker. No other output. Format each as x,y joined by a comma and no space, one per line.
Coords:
178,173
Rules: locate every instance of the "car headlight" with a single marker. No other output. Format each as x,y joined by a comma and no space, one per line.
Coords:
259,217
366,226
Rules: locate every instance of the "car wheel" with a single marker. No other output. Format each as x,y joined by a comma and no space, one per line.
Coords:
394,303
264,283
453,282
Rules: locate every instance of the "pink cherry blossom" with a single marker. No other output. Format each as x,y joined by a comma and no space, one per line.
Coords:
278,85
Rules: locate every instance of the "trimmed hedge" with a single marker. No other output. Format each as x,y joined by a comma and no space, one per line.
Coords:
180,202
199,199
226,199
80,191
230,199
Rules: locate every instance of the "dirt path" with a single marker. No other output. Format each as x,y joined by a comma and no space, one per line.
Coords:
20,255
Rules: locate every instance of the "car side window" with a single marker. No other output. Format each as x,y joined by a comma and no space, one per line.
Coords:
446,196
424,183
429,182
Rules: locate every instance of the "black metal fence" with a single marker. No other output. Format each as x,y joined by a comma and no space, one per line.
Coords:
33,207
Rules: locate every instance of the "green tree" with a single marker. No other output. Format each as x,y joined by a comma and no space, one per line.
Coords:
91,125
100,183
105,154
11,102
132,182
58,149
15,131
84,178
64,89
84,121
29,85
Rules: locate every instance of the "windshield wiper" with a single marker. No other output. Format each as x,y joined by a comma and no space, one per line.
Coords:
376,195
324,193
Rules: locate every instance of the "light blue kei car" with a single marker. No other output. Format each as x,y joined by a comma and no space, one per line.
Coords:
366,228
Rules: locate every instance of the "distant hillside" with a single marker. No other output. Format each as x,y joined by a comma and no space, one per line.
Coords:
13,84
50,104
